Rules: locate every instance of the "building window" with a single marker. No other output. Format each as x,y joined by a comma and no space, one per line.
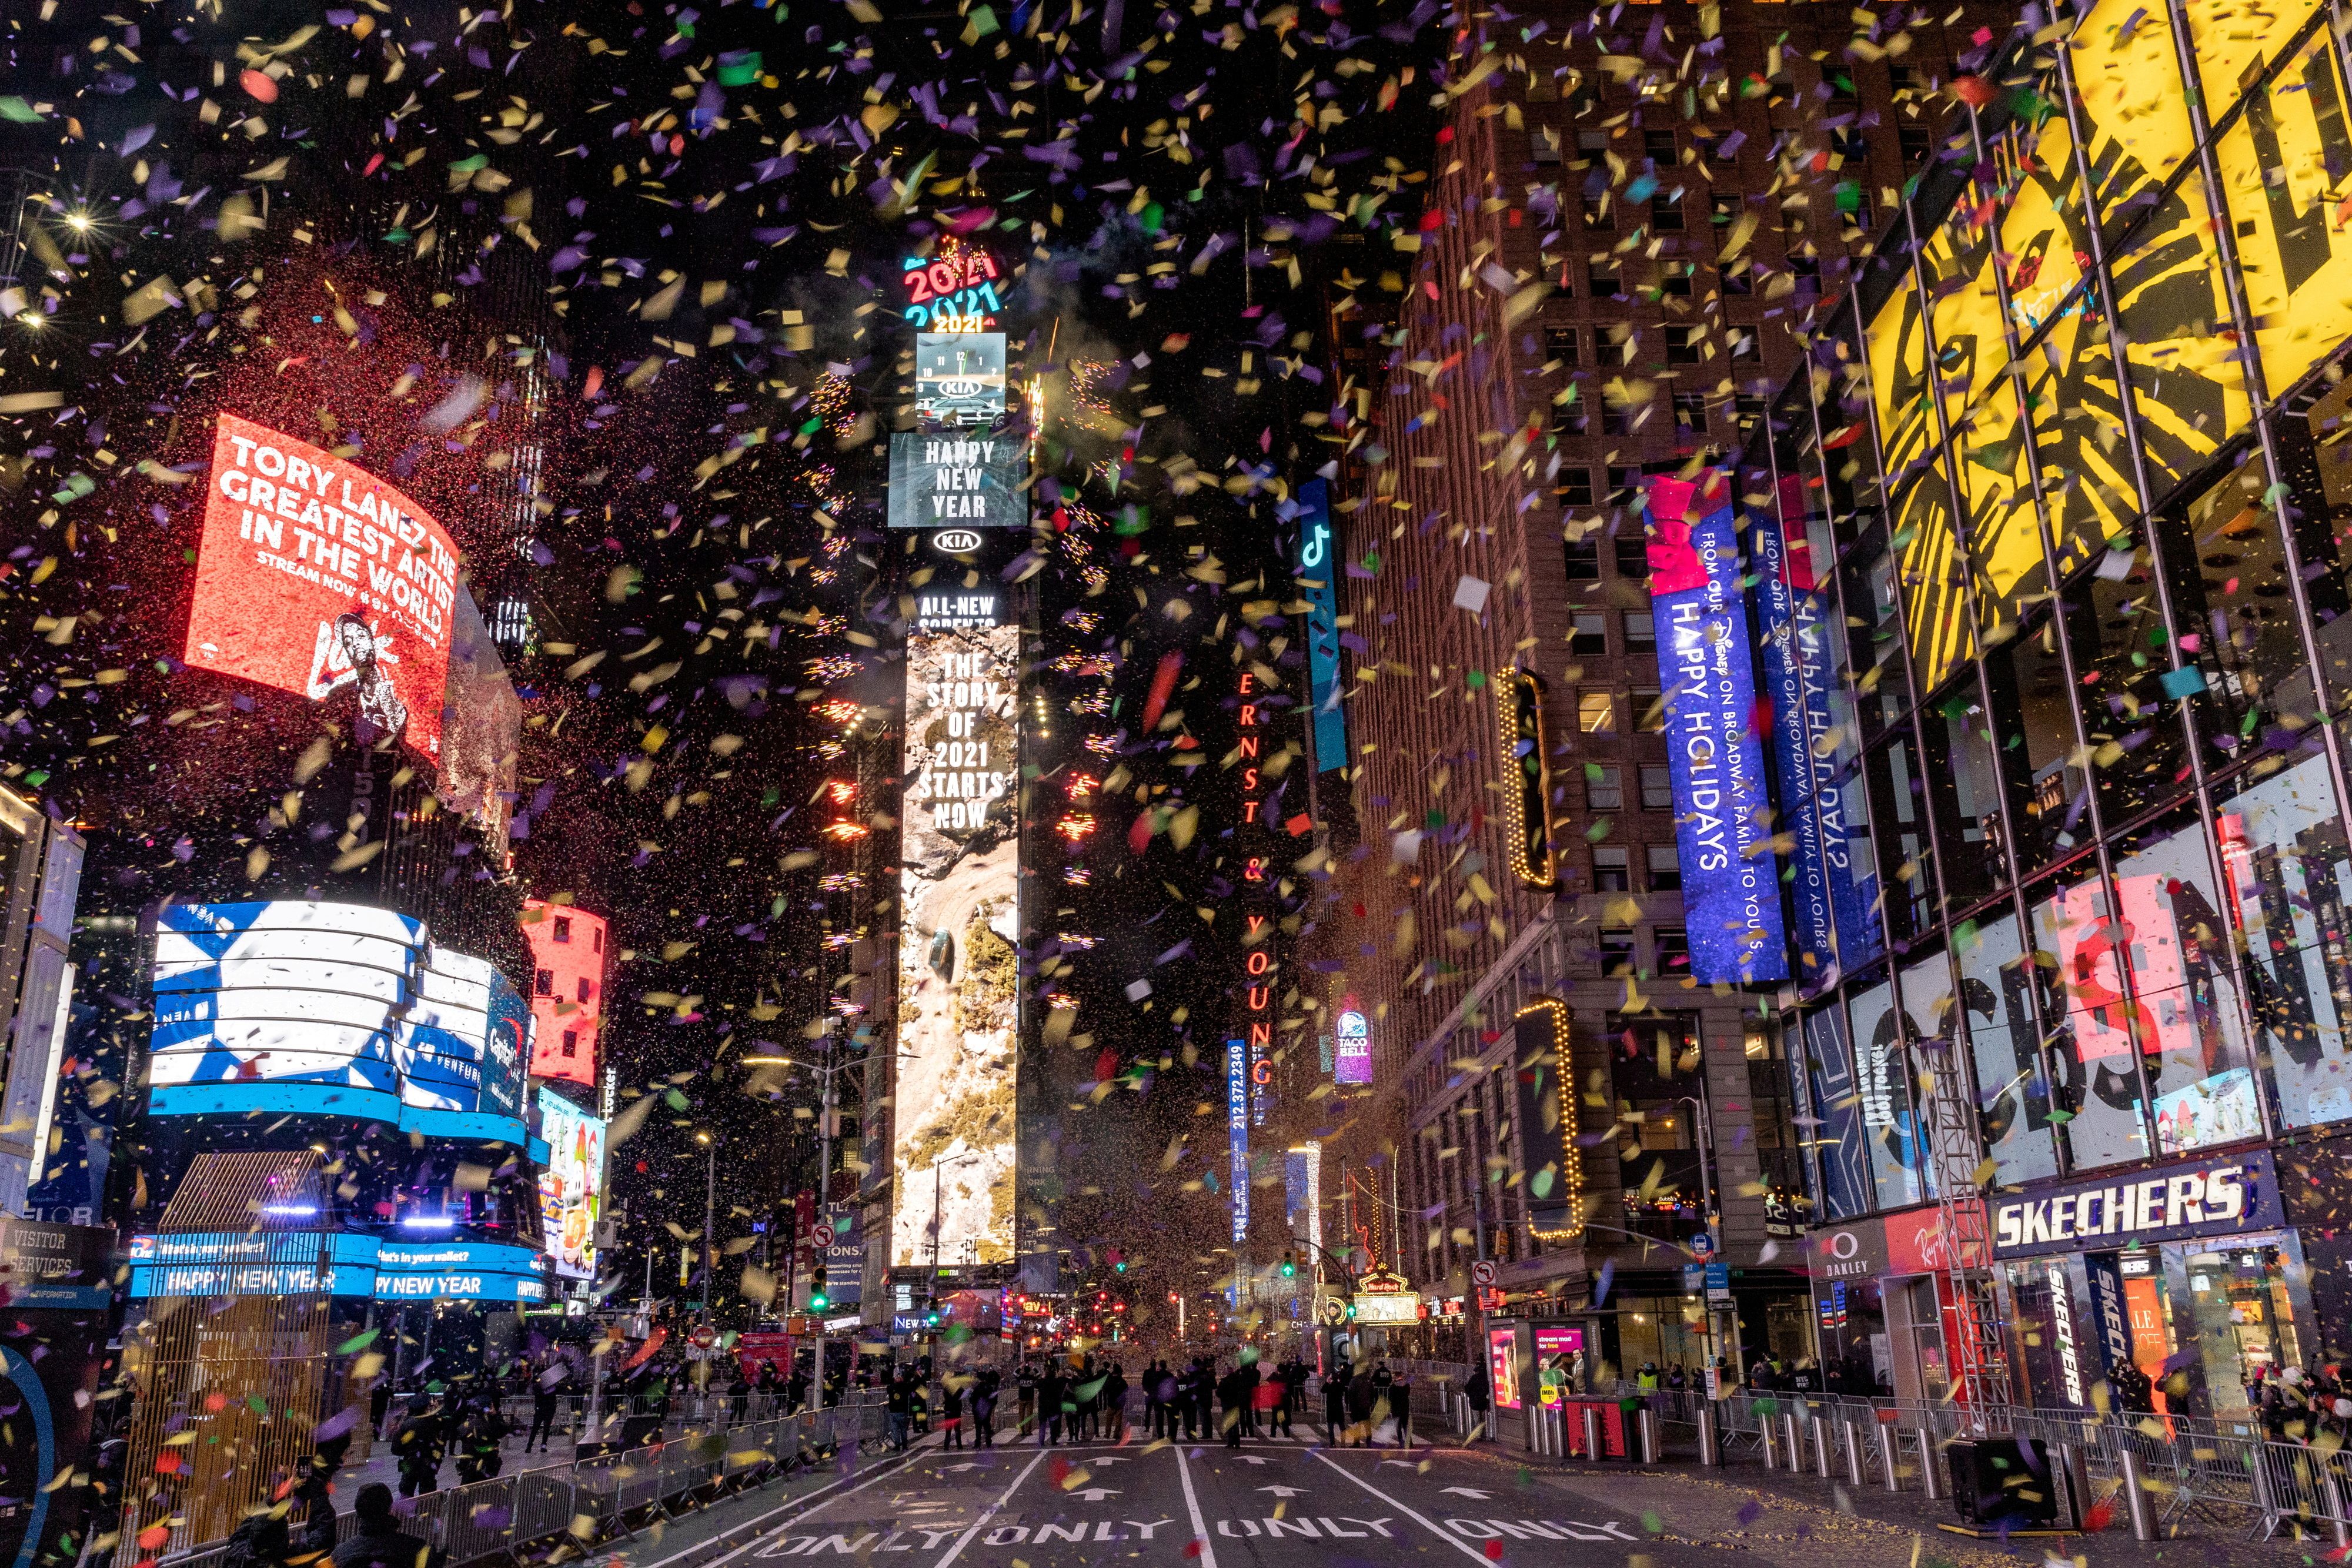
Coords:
1596,713
1561,343
1604,281
1675,277
1605,787
1641,629
1916,142
1612,872
543,983
1595,211
571,1043
1747,408
1674,950
1665,868
585,988
1591,634
1722,207
1683,346
1690,411
1624,483
1575,487
1657,788
1650,710
1658,147
1616,951
597,941
1633,554
563,928
1666,213
1580,560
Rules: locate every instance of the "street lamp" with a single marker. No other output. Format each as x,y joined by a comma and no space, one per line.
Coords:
818,1303
710,1212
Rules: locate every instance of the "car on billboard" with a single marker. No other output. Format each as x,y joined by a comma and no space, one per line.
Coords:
313,577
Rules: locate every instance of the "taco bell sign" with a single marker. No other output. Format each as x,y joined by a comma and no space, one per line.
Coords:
1731,883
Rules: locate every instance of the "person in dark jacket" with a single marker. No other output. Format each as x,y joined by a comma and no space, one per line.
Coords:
1335,1406
952,1412
260,1541
1234,1393
1477,1392
418,1445
546,1394
381,1543
1053,1390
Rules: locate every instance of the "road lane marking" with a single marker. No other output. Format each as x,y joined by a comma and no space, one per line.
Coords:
1406,1508
756,1525
1192,1506
989,1512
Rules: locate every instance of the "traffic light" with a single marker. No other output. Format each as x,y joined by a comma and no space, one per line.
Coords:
1289,1266
819,1301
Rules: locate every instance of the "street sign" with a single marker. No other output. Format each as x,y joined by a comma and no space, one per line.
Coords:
1702,1245
1335,1310
1483,1272
703,1337
1718,1281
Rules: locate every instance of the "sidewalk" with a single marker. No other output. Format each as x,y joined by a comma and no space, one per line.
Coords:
1800,1519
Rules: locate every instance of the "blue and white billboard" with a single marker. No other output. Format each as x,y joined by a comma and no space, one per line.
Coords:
342,1263
1731,891
1832,897
333,1009
1238,1122
1318,569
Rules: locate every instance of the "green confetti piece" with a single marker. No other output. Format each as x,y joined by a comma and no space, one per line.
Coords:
358,1342
17,109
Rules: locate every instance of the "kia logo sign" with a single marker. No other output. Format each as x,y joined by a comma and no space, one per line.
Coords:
955,542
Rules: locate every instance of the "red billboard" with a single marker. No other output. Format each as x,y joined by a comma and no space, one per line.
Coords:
567,988
314,576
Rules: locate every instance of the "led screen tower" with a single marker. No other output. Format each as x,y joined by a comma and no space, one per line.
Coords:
959,1025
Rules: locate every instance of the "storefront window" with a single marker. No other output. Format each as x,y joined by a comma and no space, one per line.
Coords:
2283,847
2184,1006
1965,785
1847,1187
1890,1125
2246,1316
2049,795
2231,592
2186,377
2314,449
1874,633
2277,165
2121,659
1898,791
1997,978
2105,1116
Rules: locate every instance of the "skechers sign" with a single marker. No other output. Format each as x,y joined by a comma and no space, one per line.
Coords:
2172,1203
1731,881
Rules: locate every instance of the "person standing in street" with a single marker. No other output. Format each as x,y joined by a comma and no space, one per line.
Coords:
1024,1383
1335,1406
1051,1390
546,1393
1232,1393
1477,1392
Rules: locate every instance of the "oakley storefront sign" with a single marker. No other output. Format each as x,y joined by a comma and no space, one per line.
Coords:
2204,1197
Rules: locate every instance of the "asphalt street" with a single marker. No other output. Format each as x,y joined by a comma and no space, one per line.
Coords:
1269,1503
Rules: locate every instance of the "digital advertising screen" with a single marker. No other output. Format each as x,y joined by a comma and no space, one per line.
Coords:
1318,580
567,988
959,981
958,378
333,1009
950,479
313,576
342,1263
571,1184
1502,1368
1351,1050
1731,879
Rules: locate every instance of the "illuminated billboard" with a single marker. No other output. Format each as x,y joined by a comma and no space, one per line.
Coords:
1237,1128
952,480
1317,580
315,577
959,973
954,291
958,378
333,1009
1351,1057
567,988
341,1263
571,1184
1731,881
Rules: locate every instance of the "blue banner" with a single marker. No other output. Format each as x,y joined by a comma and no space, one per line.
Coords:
1828,1068
1238,1122
342,1263
1835,930
1731,886
1318,580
